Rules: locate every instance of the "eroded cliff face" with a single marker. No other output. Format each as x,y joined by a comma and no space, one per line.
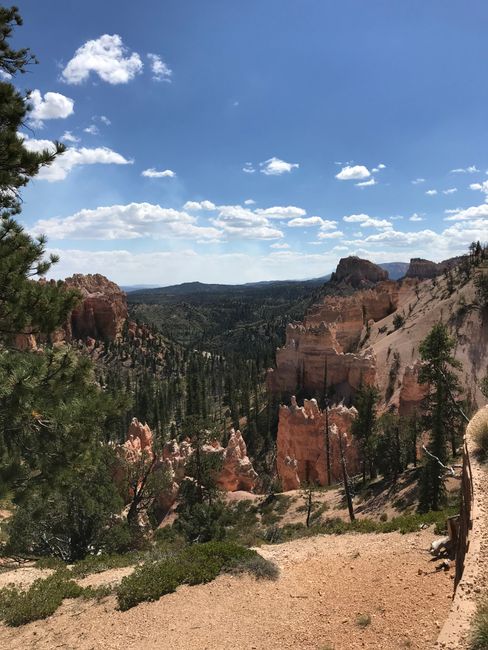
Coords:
103,309
325,344
236,473
358,273
301,444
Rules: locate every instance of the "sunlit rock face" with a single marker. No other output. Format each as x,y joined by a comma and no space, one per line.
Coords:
102,311
301,444
236,473
358,273
325,344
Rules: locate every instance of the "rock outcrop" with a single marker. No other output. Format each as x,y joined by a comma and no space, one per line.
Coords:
102,311
358,273
301,444
425,269
324,345
236,472
412,392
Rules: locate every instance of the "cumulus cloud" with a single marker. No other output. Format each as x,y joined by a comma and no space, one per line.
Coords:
199,205
371,181
51,106
280,246
335,234
482,187
249,202
465,170
367,222
242,223
105,120
451,190
418,181
131,221
276,167
73,157
474,212
416,217
356,172
160,70
154,173
305,222
69,137
281,212
379,168
92,129
106,57
431,192
248,168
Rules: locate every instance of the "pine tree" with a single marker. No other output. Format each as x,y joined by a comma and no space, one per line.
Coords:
436,351
364,427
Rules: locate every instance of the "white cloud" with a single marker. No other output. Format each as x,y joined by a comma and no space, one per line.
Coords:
52,106
5,76
199,205
357,172
305,222
371,181
280,246
482,187
107,57
431,192
248,168
335,234
249,202
379,168
276,167
474,212
242,223
132,221
160,70
154,173
92,129
465,170
69,137
73,157
417,181
105,120
416,217
451,190
281,212
367,222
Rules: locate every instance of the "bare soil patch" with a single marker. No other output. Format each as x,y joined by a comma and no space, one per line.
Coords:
326,584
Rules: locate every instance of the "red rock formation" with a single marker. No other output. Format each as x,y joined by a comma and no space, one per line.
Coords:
237,472
358,273
102,312
412,393
301,445
425,269
327,338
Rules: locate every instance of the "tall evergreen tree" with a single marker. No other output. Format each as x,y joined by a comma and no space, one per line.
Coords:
364,427
438,371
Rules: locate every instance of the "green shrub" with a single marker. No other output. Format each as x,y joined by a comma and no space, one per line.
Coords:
42,599
98,563
259,567
196,564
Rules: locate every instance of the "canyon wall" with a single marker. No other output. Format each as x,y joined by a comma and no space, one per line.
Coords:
358,272
301,444
324,345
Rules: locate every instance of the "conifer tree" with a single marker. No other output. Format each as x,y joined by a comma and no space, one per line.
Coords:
436,351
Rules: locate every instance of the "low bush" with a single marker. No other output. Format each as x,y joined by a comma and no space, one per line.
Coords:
479,636
98,563
42,599
363,620
196,564
480,435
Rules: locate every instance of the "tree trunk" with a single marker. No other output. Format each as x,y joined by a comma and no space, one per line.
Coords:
346,481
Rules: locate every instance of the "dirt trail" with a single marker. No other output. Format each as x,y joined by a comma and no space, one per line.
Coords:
325,583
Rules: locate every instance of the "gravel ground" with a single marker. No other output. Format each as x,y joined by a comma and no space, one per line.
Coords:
325,584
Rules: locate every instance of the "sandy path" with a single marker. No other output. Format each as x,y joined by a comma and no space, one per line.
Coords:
325,583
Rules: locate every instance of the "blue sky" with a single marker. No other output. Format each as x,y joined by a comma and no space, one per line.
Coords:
227,141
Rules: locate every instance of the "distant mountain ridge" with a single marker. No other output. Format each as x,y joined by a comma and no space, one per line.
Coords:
396,270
